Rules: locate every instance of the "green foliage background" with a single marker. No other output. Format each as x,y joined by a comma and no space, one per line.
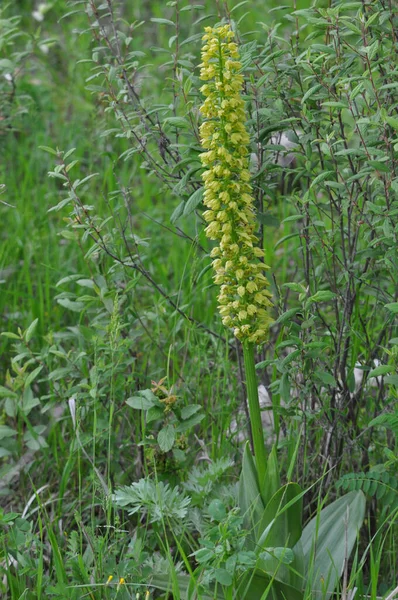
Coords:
86,332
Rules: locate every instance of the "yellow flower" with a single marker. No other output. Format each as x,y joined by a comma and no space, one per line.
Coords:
244,298
241,290
122,581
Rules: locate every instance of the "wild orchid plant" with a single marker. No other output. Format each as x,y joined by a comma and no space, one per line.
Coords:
244,297
288,565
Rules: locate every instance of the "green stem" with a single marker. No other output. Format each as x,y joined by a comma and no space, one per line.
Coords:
254,412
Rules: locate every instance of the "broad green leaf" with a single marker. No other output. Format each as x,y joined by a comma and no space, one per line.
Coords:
190,410
285,555
272,481
282,528
328,539
249,497
223,577
143,400
154,413
286,514
258,586
6,432
190,422
166,438
217,510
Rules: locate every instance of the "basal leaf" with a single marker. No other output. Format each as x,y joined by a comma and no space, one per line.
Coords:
328,539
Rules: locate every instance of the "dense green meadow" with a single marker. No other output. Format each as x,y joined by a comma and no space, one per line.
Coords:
149,446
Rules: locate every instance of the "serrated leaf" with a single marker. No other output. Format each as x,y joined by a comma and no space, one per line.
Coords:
190,422
190,410
217,510
143,400
154,413
166,438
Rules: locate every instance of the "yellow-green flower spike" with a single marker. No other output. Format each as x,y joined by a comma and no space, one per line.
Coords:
244,298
